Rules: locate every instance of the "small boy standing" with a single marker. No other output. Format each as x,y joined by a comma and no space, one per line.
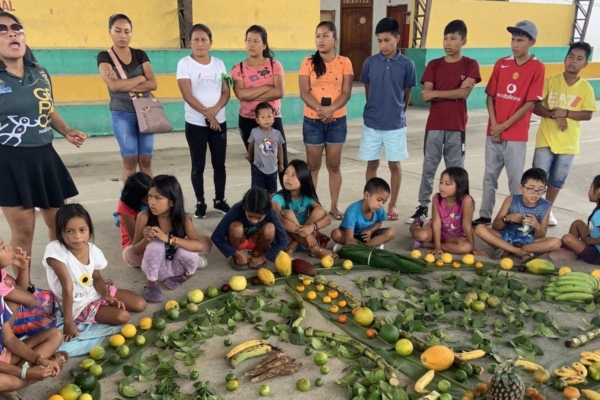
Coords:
447,83
567,100
266,155
362,220
515,86
388,78
520,226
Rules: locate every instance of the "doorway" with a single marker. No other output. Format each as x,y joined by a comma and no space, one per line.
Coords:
356,32
399,14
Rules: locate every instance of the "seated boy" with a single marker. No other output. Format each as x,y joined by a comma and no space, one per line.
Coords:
520,226
362,220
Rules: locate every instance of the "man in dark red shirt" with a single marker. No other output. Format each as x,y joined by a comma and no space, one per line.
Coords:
515,86
447,82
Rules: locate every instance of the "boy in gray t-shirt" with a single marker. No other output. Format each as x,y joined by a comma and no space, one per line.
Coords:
267,156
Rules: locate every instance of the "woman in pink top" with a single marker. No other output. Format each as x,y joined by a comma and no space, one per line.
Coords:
449,230
257,79
134,198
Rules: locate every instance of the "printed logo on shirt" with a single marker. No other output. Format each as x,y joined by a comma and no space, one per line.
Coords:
4,88
268,147
562,100
515,76
510,89
504,66
215,78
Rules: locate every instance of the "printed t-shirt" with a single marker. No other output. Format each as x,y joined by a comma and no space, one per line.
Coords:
355,219
5,315
26,105
84,291
327,85
257,77
120,101
449,115
387,78
124,209
512,85
595,231
265,149
558,94
206,83
300,207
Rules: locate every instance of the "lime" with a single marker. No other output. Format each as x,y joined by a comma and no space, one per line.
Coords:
123,351
320,359
324,369
478,306
265,335
303,385
183,302
114,359
230,377
86,381
389,333
159,324
212,292
139,340
319,382
460,376
232,385
444,386
468,368
194,375
173,313
308,351
192,308
86,364
445,396
96,370
264,390
404,347
227,342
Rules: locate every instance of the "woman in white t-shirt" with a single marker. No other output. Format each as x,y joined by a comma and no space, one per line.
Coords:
205,90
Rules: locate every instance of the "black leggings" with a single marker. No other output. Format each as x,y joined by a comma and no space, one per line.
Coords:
198,137
247,124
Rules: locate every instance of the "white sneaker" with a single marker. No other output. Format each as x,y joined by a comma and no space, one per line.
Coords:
552,220
202,262
337,247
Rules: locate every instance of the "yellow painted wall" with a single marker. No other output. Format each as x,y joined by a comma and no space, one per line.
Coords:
487,21
84,23
290,24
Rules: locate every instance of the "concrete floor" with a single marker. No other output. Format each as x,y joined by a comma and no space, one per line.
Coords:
96,168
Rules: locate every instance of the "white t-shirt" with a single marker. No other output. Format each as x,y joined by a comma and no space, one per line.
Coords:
206,86
84,291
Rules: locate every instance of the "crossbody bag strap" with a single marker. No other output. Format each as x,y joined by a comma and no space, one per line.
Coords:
120,70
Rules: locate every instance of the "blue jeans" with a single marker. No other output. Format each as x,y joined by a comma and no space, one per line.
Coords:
557,166
317,133
127,132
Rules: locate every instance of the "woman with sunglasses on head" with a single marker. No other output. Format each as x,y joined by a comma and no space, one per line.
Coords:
259,78
136,148
33,175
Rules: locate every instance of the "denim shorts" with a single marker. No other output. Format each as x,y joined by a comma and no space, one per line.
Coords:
557,166
373,141
317,133
264,181
127,132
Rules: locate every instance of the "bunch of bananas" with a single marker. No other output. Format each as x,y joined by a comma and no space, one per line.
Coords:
574,374
574,287
589,358
248,349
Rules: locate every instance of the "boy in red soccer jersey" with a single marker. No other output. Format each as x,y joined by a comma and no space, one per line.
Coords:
515,86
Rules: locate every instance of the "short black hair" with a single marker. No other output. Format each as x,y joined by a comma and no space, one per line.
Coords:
203,28
583,46
388,25
456,26
65,214
520,33
263,106
534,174
375,185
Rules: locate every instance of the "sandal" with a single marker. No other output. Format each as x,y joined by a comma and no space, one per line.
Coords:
331,253
174,282
152,293
337,215
498,254
237,267
393,216
528,257
64,355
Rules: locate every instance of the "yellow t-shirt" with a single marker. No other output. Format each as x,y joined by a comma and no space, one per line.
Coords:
579,97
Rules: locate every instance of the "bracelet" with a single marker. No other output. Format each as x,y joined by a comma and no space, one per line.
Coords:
315,227
38,359
24,371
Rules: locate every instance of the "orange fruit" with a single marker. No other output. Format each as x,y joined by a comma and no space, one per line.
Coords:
334,309
439,263
306,282
300,288
455,264
354,310
478,264
333,294
371,333
571,392
342,319
342,303
311,295
320,287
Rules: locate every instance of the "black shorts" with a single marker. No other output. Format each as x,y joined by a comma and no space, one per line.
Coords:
376,233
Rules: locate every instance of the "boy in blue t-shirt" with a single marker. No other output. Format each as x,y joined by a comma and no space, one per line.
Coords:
362,220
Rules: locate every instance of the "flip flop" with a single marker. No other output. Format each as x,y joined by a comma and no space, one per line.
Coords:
338,215
174,282
393,216
237,267
498,254
563,255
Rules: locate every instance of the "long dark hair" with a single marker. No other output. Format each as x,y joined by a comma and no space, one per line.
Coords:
307,188
136,187
116,17
596,185
169,187
203,28
317,61
257,201
267,53
460,177
14,18
65,214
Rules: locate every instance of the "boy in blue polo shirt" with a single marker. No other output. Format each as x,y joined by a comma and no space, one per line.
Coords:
389,77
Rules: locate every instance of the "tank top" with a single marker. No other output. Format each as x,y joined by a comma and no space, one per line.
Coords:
517,207
451,217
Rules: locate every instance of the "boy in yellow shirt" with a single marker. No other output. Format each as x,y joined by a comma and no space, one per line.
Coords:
567,100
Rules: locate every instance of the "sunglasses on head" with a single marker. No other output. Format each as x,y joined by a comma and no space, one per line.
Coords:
16,28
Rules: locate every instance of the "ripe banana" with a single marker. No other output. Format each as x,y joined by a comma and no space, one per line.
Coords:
575,380
424,381
249,353
590,394
528,365
470,355
243,346
580,368
588,355
565,372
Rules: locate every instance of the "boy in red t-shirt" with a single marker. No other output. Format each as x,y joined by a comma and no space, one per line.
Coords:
447,82
515,86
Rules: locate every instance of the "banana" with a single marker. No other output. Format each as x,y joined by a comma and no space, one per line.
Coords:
597,351
580,368
565,372
574,289
574,296
431,396
249,353
575,380
470,355
424,381
527,365
244,346
591,356
587,362
590,394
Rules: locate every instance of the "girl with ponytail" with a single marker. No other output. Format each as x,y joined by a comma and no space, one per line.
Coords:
325,85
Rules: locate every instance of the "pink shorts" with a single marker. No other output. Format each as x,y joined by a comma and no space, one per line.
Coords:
6,286
88,315
247,244
5,356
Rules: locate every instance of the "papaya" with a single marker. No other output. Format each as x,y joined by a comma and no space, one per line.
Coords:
266,276
437,358
283,263
540,267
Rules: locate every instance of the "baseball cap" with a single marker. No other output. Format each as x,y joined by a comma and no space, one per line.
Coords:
524,26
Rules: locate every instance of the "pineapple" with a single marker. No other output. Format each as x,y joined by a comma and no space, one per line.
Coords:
506,383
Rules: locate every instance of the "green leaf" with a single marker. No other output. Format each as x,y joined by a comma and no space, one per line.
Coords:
386,294
128,391
365,292
590,308
477,337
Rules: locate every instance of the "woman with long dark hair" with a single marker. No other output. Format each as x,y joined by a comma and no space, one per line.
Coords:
325,80
259,78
